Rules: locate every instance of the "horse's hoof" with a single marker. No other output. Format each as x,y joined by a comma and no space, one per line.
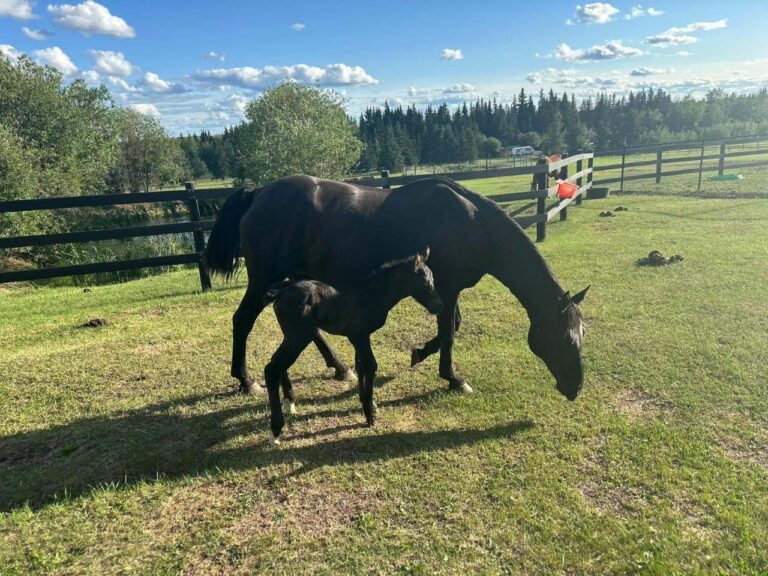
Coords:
415,357
274,440
462,388
347,375
249,388
289,408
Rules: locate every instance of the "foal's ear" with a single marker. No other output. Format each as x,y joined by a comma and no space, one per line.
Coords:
565,301
426,254
580,296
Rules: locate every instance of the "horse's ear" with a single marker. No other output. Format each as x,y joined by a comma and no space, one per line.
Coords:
577,298
426,254
565,301
417,262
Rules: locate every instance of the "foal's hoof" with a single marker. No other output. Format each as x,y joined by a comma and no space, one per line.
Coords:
415,357
274,440
461,387
347,375
289,407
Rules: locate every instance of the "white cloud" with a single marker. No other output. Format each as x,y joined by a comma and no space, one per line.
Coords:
91,76
254,78
682,35
535,78
459,89
146,108
452,54
683,53
9,52
608,51
56,58
154,83
118,82
32,34
298,27
19,9
111,63
595,13
90,18
647,71
638,11
214,55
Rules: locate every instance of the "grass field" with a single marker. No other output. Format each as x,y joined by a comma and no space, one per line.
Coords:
122,450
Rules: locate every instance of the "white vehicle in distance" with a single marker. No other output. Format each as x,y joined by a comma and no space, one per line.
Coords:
522,151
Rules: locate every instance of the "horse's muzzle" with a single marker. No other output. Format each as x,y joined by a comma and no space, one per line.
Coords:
435,306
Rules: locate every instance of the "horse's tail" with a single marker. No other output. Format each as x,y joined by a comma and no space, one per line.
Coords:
222,256
273,293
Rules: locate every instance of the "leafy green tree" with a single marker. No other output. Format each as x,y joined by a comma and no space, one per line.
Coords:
298,129
553,140
148,157
490,148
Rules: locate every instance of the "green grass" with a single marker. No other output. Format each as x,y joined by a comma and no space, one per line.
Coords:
122,452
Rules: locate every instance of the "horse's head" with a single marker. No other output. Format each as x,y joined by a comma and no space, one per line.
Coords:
556,337
422,284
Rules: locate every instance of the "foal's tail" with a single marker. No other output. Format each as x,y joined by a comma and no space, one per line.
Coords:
274,291
222,256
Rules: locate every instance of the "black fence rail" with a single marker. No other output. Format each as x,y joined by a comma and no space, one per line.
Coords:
196,225
701,157
191,197
540,192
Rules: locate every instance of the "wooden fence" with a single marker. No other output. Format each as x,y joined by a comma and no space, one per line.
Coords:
538,172
698,155
197,226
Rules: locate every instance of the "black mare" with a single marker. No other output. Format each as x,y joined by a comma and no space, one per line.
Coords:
355,311
336,232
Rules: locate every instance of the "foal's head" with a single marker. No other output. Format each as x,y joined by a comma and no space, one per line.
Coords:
415,279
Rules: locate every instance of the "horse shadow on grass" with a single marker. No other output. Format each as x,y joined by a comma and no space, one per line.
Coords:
191,436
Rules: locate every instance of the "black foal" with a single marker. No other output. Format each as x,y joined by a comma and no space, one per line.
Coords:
356,311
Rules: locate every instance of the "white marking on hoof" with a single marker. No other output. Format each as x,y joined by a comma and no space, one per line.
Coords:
289,408
466,389
274,440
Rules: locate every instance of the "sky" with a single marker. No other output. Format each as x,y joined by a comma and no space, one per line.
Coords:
195,64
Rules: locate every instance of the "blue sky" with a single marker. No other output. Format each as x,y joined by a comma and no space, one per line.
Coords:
195,64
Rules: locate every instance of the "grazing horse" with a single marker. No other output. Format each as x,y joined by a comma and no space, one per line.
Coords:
553,174
337,232
355,311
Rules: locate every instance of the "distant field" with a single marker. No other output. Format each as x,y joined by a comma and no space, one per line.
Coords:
121,451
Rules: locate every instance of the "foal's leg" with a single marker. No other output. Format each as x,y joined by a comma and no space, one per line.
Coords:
242,324
446,326
432,346
289,399
293,344
365,362
332,360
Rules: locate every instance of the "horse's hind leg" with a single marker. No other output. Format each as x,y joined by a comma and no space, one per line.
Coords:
242,324
432,346
332,360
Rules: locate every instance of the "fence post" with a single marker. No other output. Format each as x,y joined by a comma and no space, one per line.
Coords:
541,201
623,160
564,176
658,165
580,179
385,178
194,215
721,162
591,167
701,167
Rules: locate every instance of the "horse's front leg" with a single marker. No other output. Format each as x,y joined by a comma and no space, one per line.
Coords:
446,328
242,324
420,354
332,360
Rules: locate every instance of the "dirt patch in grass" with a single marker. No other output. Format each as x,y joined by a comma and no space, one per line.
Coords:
621,501
640,405
749,451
